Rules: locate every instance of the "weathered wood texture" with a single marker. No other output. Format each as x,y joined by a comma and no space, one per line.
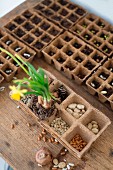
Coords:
19,145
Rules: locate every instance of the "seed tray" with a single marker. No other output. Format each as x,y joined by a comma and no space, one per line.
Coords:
95,31
101,82
33,30
73,57
62,12
76,126
14,46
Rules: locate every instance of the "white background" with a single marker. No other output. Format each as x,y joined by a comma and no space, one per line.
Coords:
103,8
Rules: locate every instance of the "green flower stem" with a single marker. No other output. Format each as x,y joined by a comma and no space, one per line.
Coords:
3,50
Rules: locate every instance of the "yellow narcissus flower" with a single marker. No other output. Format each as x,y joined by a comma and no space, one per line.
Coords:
16,93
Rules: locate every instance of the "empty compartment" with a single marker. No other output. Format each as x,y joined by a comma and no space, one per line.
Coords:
28,26
59,43
8,71
28,39
58,60
44,25
38,45
79,140
80,74
11,26
95,121
75,106
98,57
19,32
19,20
73,18
37,32
68,67
61,122
111,102
36,19
91,17
2,34
46,38
55,7
2,60
76,43
93,84
27,14
53,31
67,36
80,11
90,64
49,53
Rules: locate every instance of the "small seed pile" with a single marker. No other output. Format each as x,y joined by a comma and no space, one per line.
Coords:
76,110
59,125
46,138
62,165
78,143
93,126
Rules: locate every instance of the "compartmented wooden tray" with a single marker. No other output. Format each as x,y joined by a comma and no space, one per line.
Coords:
8,67
62,12
101,82
33,29
76,127
73,57
96,31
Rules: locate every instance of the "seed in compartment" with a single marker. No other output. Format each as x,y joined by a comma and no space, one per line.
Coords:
44,26
65,23
59,125
27,14
7,57
26,55
15,63
19,32
93,31
95,84
87,36
19,20
97,58
93,126
87,50
8,42
46,38
97,43
111,41
77,31
76,109
69,52
78,59
110,68
106,49
1,63
28,26
36,20
89,65
11,26
84,25
111,83
38,45
104,36
17,48
78,143
101,24
51,53
103,75
55,7
80,11
73,18
60,60
107,92
29,39
76,45
8,70
70,66
59,45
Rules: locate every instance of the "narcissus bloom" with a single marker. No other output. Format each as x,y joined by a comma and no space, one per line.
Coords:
16,93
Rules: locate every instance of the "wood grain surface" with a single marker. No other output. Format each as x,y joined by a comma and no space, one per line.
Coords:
19,145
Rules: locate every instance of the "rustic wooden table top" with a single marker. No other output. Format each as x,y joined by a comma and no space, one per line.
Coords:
19,145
